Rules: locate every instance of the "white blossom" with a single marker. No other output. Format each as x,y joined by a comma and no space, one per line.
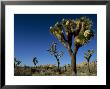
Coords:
67,22
86,33
51,27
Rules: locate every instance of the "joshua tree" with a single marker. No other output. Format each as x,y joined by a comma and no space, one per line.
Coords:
16,62
35,61
65,68
87,56
53,51
76,32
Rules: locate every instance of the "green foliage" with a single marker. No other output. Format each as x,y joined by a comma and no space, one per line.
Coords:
16,62
58,33
34,60
88,55
80,28
53,51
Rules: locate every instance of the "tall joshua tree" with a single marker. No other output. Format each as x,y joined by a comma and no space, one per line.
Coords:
77,32
35,61
53,51
87,56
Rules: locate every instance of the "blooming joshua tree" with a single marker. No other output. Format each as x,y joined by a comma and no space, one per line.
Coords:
76,32
53,51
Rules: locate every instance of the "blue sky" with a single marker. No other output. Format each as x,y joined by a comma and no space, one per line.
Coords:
32,38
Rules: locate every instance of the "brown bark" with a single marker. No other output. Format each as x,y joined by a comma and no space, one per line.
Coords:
58,64
88,68
73,60
59,67
73,64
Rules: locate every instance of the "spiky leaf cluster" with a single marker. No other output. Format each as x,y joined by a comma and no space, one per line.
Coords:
88,54
80,29
53,50
35,61
16,62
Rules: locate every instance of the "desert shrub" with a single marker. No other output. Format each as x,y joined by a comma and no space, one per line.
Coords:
21,71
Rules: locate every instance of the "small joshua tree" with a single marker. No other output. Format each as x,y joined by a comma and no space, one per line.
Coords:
16,66
65,68
35,61
87,56
53,51
16,62
77,32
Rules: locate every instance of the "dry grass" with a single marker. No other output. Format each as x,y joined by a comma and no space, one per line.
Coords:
82,70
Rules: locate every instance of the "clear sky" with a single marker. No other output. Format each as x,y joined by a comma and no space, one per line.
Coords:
32,38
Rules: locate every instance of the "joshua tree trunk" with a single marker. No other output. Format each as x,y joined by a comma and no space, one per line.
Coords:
73,64
58,63
73,60
88,68
59,67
